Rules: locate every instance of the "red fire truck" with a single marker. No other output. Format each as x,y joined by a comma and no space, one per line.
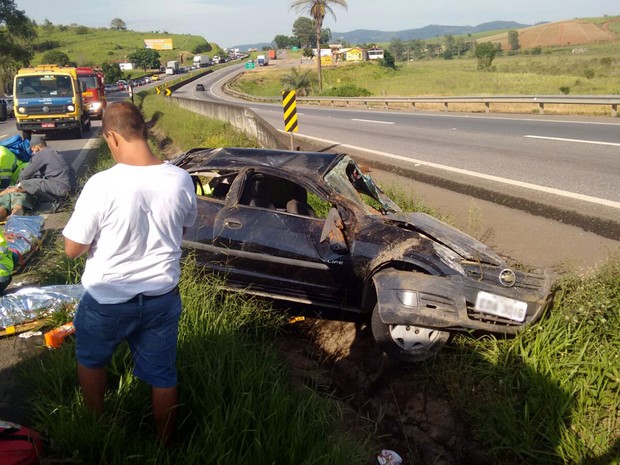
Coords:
93,90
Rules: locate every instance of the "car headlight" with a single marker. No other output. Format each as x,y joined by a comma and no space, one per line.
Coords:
70,107
408,298
95,105
22,110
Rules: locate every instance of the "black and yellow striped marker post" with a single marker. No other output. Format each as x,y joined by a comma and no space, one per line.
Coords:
289,104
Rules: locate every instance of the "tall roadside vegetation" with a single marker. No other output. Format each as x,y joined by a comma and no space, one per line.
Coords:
17,35
317,10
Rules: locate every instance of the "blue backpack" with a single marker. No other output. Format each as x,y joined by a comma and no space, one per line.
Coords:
20,147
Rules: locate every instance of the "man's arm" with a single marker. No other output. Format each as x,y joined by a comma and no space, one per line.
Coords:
75,249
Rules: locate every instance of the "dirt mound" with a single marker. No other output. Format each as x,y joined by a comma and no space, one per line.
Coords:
571,32
406,415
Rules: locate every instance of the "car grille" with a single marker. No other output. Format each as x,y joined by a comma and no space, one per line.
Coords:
53,109
526,284
490,274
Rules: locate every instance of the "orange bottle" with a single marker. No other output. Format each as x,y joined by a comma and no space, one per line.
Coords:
55,337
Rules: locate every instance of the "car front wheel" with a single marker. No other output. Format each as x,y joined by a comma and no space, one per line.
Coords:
407,343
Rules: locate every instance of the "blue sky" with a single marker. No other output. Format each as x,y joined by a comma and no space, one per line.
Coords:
232,22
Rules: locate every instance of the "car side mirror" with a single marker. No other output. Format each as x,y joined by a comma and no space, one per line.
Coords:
332,232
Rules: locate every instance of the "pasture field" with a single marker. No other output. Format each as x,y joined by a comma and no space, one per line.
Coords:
555,72
95,46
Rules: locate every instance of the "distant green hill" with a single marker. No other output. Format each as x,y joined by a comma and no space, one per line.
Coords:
94,46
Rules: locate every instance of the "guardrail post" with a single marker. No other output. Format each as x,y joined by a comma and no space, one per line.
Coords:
387,105
488,107
614,110
445,106
413,105
541,108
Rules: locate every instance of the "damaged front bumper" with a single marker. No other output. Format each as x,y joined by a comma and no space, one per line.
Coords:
457,302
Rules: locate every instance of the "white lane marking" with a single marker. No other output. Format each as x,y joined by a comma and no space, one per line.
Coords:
372,121
3,135
595,142
488,177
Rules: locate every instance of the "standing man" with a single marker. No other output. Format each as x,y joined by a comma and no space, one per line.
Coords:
130,220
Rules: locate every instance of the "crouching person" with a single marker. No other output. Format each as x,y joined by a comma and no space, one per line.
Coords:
47,179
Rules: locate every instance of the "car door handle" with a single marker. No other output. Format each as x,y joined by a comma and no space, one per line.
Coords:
232,224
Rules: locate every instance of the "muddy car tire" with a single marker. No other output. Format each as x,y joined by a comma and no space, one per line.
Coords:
407,343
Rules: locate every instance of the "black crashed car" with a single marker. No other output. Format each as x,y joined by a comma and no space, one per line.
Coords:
200,87
312,228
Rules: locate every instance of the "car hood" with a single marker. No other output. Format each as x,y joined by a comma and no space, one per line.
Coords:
462,244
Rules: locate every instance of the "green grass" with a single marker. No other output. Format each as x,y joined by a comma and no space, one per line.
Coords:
183,129
101,45
514,75
237,403
551,395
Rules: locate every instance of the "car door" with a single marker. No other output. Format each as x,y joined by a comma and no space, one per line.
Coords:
278,253
199,238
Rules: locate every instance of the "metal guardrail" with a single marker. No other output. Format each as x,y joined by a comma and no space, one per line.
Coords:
537,100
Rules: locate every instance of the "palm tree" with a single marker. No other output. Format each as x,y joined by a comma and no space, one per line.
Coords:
300,81
317,10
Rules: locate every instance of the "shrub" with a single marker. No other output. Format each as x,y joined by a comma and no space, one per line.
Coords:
607,61
588,73
565,90
348,90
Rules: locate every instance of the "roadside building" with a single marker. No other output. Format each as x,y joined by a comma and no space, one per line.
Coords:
374,54
352,54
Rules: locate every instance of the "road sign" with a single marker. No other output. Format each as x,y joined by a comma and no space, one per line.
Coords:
158,90
249,64
289,104
168,93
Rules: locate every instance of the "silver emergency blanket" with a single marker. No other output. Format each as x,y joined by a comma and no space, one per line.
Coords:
31,303
23,233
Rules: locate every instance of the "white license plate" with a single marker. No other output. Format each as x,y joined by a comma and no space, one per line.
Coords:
48,125
497,305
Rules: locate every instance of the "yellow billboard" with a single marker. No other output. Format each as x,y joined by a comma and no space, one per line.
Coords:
158,44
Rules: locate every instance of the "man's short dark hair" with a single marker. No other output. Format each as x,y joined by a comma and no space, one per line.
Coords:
125,119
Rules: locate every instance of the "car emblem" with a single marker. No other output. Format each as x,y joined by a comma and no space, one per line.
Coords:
46,109
507,278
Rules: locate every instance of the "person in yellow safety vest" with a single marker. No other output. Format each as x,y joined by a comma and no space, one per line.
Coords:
8,167
6,263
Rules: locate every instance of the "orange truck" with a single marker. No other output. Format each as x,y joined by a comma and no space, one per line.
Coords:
93,90
273,54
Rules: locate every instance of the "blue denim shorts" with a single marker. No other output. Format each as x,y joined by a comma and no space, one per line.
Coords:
150,325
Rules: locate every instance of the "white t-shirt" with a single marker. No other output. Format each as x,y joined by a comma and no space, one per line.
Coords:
133,218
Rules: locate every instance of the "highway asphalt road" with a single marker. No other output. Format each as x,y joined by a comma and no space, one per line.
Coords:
568,162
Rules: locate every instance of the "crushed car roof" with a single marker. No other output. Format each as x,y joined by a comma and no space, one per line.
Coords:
303,163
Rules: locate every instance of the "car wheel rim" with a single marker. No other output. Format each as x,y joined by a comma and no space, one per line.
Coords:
413,338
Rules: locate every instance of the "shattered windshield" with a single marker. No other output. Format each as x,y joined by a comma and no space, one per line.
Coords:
348,180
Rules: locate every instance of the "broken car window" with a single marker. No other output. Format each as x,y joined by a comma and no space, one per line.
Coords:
348,180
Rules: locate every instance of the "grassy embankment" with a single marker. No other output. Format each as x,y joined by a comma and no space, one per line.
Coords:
95,46
551,395
596,72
